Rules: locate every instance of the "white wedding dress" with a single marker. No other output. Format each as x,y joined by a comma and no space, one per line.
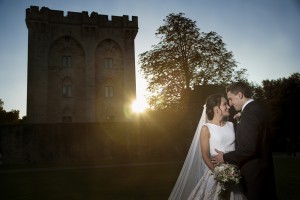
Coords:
221,138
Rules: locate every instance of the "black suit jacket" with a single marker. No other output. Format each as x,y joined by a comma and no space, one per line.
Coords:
253,153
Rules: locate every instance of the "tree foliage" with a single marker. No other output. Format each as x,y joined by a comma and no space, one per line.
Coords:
184,58
10,117
282,97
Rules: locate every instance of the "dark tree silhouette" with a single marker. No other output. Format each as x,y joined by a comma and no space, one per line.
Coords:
183,58
282,97
10,117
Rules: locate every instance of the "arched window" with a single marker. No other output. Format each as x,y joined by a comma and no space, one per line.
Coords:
108,91
108,63
67,87
66,61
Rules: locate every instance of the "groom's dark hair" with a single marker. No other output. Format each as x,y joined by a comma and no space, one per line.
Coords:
242,87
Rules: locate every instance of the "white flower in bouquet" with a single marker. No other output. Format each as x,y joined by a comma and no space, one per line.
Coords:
226,175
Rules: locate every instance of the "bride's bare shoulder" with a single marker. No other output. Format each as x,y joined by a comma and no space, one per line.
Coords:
204,130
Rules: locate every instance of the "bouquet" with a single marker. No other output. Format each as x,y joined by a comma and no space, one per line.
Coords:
227,175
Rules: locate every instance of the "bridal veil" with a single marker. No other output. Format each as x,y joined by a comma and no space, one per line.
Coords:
193,167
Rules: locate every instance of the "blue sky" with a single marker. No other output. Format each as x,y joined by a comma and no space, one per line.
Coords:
264,35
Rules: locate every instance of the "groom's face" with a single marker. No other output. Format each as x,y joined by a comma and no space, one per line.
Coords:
235,100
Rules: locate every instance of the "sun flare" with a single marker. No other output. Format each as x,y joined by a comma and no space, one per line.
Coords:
139,106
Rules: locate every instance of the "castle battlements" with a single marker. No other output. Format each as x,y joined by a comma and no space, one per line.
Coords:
81,66
47,15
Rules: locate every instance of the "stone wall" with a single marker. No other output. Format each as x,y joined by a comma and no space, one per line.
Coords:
44,143
67,74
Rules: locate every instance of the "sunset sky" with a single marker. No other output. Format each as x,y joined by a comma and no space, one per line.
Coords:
264,35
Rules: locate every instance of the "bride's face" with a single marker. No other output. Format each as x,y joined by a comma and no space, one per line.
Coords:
224,107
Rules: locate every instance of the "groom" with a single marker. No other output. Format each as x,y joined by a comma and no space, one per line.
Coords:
253,152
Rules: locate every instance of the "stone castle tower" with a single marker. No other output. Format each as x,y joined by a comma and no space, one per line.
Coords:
81,68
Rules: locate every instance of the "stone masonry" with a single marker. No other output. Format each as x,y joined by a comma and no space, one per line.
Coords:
81,67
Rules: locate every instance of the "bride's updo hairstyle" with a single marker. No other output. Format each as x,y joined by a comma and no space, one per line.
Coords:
212,101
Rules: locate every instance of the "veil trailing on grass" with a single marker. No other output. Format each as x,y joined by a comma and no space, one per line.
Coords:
193,167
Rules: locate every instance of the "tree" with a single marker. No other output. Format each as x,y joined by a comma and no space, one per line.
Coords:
1,105
184,58
8,117
282,97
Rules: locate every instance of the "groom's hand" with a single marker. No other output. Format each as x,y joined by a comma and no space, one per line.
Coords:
217,158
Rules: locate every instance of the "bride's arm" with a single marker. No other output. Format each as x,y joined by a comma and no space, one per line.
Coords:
204,144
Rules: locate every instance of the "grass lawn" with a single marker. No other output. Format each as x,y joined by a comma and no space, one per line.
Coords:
287,174
154,181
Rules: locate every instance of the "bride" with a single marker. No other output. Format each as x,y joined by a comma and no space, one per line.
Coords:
196,180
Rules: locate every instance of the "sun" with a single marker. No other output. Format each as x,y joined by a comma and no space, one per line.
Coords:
139,106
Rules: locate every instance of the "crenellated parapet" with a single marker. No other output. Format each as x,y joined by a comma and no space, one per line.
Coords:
81,66
45,15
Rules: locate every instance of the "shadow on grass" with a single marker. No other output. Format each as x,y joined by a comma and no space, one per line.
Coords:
147,182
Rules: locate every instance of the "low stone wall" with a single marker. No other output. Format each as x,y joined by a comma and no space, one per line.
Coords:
74,142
